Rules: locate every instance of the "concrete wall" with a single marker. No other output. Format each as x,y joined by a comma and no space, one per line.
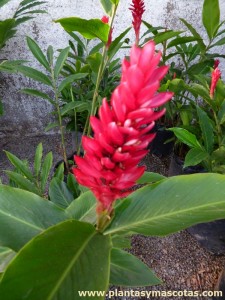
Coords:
29,115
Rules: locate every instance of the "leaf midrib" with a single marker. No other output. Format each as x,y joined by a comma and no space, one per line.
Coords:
121,228
70,265
21,221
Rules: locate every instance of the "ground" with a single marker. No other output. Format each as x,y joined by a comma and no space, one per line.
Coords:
177,259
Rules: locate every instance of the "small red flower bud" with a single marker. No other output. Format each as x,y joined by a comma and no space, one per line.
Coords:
216,74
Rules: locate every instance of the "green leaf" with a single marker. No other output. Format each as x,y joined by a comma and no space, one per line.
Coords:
27,7
45,171
194,157
3,2
149,177
107,6
181,40
186,137
83,208
22,20
59,173
24,215
171,205
23,183
38,159
70,79
38,54
59,263
127,270
50,54
207,129
121,241
20,165
164,36
60,61
90,29
6,31
219,155
6,255
79,106
218,43
221,113
195,34
94,61
113,48
116,2
34,74
211,17
59,193
37,93
1,108
51,126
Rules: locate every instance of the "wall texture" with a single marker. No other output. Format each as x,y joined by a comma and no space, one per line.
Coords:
28,115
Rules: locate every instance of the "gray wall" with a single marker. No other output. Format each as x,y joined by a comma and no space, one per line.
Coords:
29,115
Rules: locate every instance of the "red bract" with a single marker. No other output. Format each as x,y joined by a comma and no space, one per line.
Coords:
121,133
105,20
216,74
137,8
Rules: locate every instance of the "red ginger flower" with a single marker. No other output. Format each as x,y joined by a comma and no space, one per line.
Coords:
216,63
137,8
105,20
216,74
121,133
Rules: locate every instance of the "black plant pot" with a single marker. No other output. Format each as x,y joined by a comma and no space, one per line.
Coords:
211,235
220,286
159,145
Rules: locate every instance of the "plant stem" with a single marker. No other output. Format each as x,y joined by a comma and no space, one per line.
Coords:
219,129
61,127
100,73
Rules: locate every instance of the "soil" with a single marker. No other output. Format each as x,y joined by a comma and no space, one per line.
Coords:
177,259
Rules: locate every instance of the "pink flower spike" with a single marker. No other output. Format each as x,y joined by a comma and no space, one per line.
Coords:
137,8
105,19
216,74
122,130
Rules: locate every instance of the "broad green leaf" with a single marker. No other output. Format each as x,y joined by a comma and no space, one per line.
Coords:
211,17
23,183
149,177
6,255
206,129
128,270
70,79
20,165
90,29
186,137
121,241
57,264
38,159
164,36
59,193
45,171
34,74
60,61
24,215
195,34
78,106
107,5
73,185
83,208
194,157
37,93
199,68
181,40
171,205
38,54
